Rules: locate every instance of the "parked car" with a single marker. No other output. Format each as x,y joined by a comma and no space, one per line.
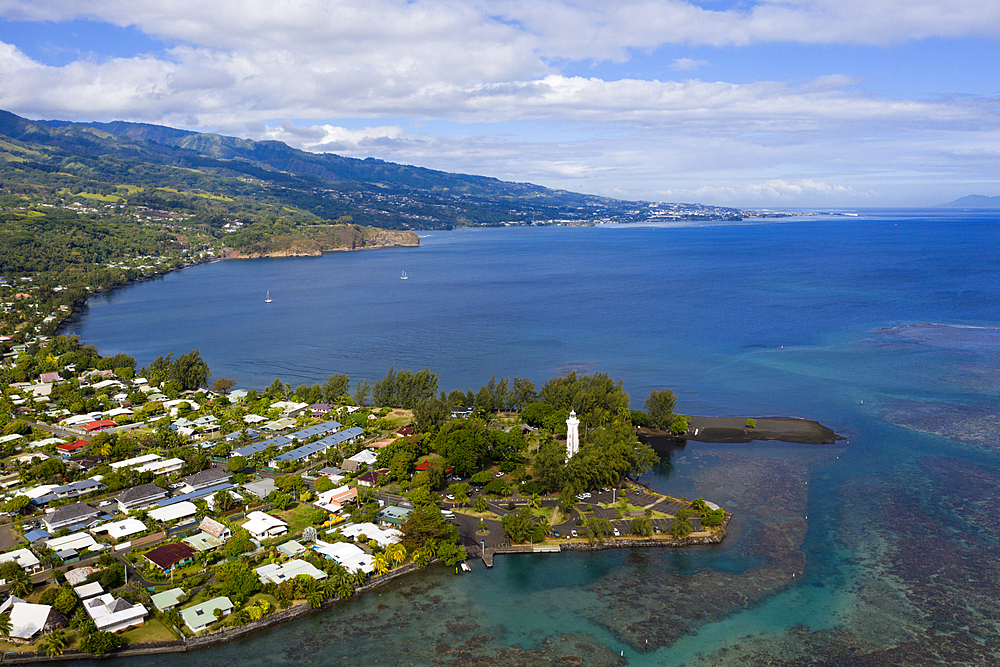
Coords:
617,534
573,532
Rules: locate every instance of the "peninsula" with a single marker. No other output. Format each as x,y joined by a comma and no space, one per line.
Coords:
152,506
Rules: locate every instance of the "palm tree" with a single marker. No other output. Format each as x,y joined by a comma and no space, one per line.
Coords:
53,643
381,563
535,502
396,553
344,588
202,510
21,586
5,625
359,577
422,556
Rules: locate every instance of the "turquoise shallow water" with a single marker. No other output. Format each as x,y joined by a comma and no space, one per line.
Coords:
881,551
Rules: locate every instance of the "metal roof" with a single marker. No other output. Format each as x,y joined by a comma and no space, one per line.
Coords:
200,493
305,451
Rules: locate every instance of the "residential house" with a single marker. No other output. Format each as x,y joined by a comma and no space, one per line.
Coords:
70,516
169,556
373,478
89,590
215,528
393,516
264,526
140,496
275,573
365,457
261,488
205,479
167,599
68,448
173,512
200,616
289,408
76,489
72,542
112,614
122,529
349,556
28,620
136,461
24,558
99,425
369,531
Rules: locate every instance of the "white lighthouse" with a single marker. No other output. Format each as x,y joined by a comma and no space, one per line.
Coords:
572,436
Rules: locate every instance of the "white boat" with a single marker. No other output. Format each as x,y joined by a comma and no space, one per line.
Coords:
465,567
403,277
268,298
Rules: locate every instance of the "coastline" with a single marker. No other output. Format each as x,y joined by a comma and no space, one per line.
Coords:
793,430
224,635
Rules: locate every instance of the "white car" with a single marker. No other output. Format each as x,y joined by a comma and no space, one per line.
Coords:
617,534
499,475
573,533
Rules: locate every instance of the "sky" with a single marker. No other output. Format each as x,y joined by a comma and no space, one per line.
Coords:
756,104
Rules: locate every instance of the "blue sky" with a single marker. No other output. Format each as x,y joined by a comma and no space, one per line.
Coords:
800,103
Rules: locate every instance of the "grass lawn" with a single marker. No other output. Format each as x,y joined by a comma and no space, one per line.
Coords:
468,511
153,630
297,518
545,513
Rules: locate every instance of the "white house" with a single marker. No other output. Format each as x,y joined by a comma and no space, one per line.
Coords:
112,614
200,616
275,573
263,526
26,619
349,556
24,558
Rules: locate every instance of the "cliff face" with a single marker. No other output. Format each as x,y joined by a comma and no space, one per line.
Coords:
314,240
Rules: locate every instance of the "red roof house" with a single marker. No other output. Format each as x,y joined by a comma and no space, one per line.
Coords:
70,447
98,425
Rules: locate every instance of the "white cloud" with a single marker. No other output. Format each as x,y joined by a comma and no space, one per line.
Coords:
687,64
237,65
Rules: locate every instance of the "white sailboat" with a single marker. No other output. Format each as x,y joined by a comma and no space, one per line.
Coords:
268,298
403,277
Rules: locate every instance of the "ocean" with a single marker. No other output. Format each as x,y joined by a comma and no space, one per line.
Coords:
879,550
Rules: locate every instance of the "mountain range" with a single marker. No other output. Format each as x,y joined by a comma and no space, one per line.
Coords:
214,179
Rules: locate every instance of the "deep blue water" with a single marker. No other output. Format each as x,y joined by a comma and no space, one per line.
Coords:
812,317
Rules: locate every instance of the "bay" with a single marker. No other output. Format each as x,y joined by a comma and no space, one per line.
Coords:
884,327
